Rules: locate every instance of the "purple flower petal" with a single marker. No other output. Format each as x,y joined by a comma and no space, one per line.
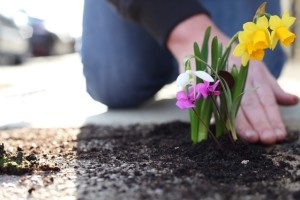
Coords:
184,101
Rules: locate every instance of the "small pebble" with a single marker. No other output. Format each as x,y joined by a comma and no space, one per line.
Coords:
244,162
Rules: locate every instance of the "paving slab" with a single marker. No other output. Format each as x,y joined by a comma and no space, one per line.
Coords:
163,109
50,92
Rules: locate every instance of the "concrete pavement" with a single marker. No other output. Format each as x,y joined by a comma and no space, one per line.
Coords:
50,92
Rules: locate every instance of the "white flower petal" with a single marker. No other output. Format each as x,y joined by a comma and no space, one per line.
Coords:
182,79
204,76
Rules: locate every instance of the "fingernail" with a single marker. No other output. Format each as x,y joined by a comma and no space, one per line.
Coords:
250,133
280,133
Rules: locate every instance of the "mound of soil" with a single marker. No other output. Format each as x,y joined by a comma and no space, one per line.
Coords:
160,162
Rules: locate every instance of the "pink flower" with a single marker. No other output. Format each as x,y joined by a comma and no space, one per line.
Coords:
185,101
206,89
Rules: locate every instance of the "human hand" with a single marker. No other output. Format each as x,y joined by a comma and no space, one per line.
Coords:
259,118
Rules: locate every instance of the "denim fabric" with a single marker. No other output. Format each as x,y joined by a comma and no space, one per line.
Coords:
230,15
124,66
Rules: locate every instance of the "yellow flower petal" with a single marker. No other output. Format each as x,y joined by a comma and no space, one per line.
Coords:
285,36
262,22
239,50
287,19
274,40
257,54
261,39
280,29
245,59
275,22
249,26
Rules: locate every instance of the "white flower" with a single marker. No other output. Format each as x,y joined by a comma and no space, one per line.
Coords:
187,77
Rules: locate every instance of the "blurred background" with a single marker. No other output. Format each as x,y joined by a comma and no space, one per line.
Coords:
41,80
34,28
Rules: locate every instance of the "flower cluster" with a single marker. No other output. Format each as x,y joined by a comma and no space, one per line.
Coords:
216,89
187,99
263,33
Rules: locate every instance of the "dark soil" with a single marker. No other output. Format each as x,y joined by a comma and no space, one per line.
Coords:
160,162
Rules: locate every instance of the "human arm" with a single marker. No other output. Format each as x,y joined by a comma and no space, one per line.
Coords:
158,17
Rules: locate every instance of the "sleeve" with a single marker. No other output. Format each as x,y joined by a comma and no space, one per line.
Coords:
159,17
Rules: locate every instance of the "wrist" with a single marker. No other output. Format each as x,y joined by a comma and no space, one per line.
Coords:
182,37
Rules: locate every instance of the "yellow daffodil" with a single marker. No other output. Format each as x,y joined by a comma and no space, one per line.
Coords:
280,29
253,40
246,49
259,32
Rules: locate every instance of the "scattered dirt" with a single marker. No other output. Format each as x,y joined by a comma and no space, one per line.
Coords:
148,162
20,163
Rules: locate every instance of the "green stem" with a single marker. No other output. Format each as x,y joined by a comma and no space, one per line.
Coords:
217,108
211,133
231,41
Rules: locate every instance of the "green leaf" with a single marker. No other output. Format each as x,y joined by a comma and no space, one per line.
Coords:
221,120
224,58
198,131
215,53
194,126
204,48
234,72
206,114
239,86
203,53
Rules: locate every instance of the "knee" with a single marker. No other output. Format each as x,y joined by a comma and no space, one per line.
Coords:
115,96
114,101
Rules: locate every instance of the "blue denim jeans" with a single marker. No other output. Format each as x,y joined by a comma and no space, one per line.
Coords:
124,66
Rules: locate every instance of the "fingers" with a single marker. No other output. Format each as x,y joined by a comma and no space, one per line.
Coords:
271,109
259,123
244,128
282,97
255,122
259,118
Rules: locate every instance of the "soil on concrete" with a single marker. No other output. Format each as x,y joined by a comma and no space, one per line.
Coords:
20,162
151,162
